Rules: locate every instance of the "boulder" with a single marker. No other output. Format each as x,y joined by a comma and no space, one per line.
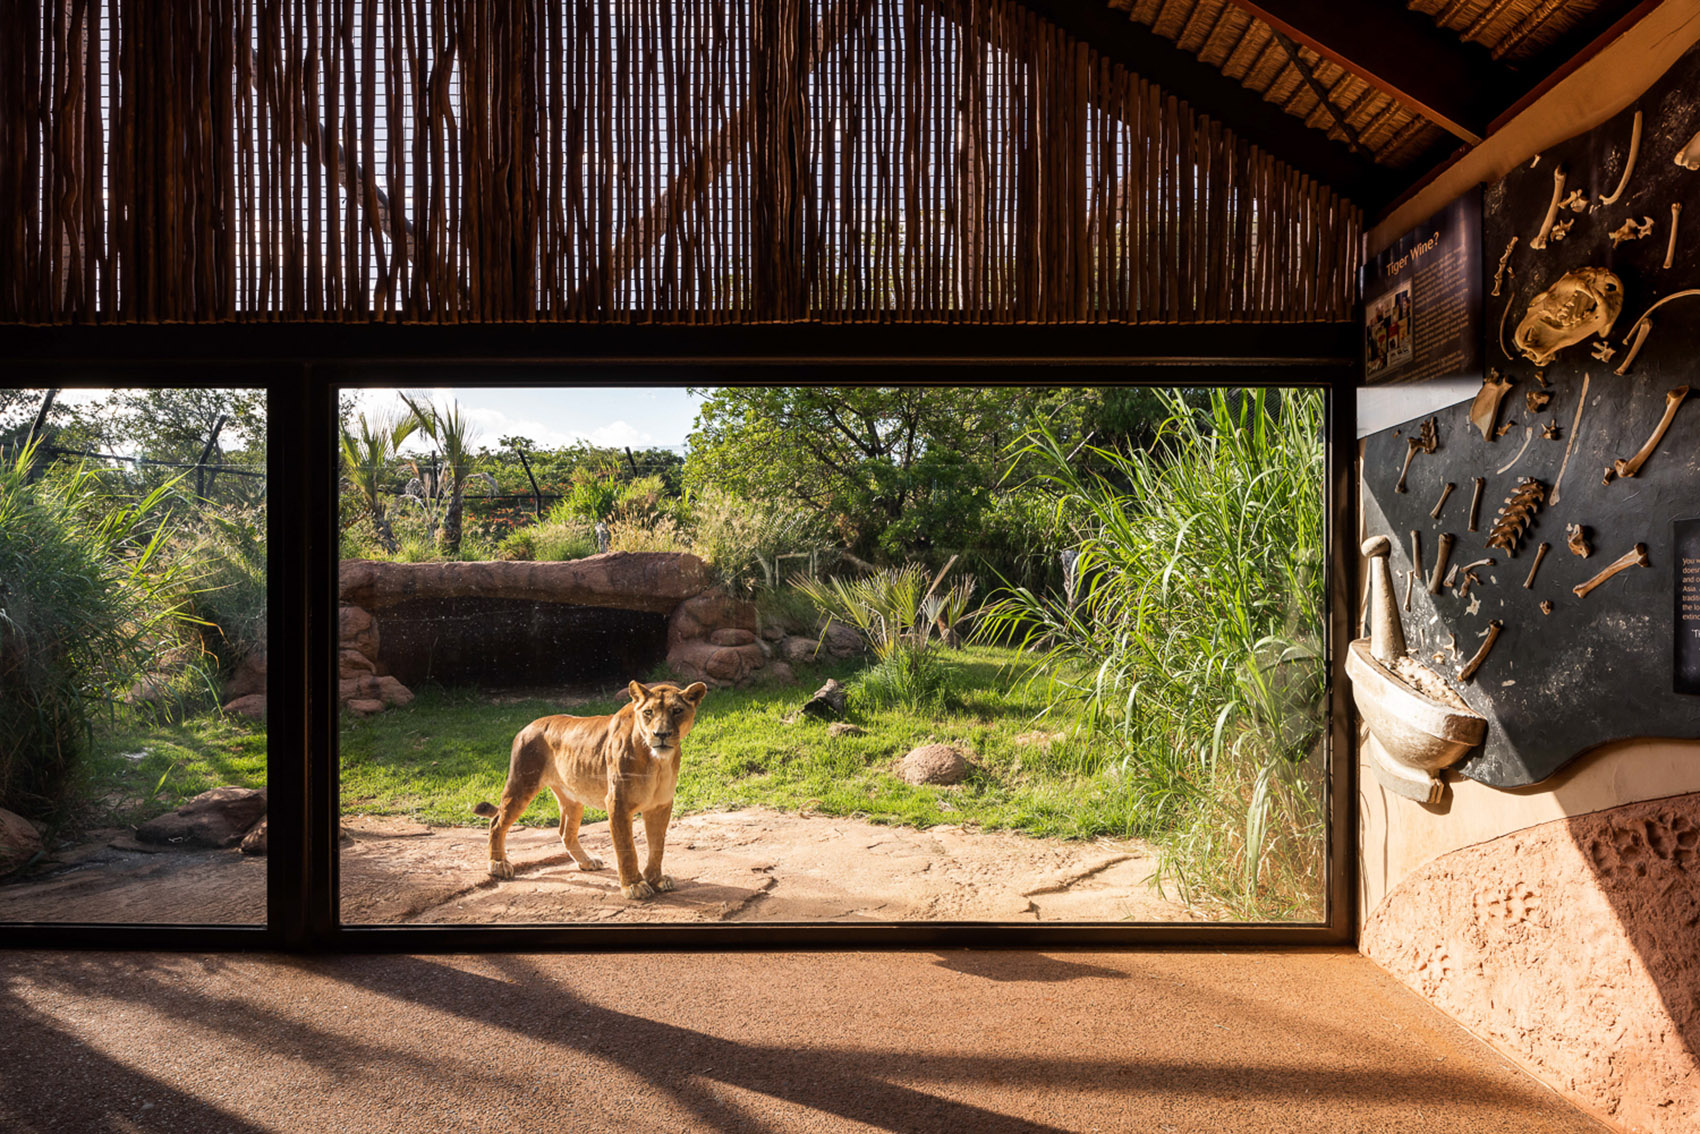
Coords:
369,687
363,707
353,663
249,678
19,841
732,636
217,818
357,631
844,728
254,842
797,650
773,632
653,581
774,673
253,706
842,641
933,764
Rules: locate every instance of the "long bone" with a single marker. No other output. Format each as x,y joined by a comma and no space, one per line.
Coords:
1441,503
1467,575
1635,558
1673,399
1476,502
1581,402
1639,331
1447,539
1540,554
1628,166
1475,662
1427,439
1504,262
1670,246
1416,567
1540,239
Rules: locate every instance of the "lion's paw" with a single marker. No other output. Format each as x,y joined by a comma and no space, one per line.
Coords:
662,884
638,890
501,868
589,862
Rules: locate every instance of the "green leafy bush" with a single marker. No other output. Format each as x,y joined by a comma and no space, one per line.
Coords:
87,602
1194,641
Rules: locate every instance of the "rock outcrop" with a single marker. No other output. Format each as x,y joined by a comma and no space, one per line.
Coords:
19,841
214,819
653,581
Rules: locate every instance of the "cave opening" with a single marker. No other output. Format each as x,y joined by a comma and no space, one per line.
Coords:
497,642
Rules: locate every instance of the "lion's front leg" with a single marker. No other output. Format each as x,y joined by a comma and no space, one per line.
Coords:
655,831
632,884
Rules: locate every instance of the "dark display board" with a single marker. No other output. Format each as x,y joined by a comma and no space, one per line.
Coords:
1423,300
1622,661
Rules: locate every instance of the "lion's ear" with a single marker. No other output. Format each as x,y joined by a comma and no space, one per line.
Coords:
639,692
695,693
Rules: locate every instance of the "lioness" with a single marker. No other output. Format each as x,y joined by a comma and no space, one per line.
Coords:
627,763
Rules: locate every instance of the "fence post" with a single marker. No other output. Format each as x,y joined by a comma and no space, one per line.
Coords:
536,495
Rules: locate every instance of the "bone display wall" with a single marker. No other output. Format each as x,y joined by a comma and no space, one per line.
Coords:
1541,516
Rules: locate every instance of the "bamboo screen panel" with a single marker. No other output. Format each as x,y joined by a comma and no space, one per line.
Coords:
627,160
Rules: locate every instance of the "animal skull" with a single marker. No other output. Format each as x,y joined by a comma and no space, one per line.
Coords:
1582,303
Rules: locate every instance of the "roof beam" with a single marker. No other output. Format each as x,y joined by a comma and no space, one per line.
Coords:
1118,38
1455,84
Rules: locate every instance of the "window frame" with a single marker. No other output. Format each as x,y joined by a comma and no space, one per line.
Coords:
303,366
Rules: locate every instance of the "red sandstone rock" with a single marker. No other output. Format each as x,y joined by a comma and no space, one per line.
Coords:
216,818
19,841
253,706
797,650
732,636
933,764
352,663
250,677
369,687
1571,945
357,630
363,706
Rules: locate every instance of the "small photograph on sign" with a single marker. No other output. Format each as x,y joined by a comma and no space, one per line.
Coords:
1388,331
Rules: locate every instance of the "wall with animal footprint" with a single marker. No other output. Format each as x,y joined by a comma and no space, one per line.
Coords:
1531,539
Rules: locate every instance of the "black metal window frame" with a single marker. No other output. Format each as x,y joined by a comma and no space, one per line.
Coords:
303,367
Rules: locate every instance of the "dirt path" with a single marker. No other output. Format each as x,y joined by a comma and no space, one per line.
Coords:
747,866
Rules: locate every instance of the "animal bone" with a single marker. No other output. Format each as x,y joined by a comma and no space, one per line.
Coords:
1670,247
1447,539
1427,439
1467,575
1540,239
1514,517
1452,645
1541,377
1628,166
1540,554
1410,584
1561,229
1635,558
1609,476
1528,436
1631,229
1603,350
1416,566
1576,202
1639,331
1504,318
1504,262
1576,536
1550,430
1502,430
1475,662
1441,503
1689,156
1581,403
1484,411
1476,502
1536,400
1579,305
1673,399
1546,606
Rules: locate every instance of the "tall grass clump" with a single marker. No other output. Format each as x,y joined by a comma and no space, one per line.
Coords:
87,602
744,540
1193,644
897,612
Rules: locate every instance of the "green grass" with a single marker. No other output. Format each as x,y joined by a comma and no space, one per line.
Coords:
436,758
135,771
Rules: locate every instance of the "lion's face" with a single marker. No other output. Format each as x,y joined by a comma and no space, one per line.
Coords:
665,713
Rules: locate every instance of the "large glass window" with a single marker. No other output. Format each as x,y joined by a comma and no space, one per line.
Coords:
133,696
831,654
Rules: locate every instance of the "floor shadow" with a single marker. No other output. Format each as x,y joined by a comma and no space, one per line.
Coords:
1023,967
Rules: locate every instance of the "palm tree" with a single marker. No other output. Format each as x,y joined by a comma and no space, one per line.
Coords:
454,434
365,452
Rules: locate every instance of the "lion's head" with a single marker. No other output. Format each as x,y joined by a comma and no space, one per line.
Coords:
665,713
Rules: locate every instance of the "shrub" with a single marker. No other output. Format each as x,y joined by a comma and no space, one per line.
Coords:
742,540
635,530
227,562
1194,642
87,602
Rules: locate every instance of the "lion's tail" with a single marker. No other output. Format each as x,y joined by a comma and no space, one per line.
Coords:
488,810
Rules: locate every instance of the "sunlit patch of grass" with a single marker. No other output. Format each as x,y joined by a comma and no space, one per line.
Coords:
136,770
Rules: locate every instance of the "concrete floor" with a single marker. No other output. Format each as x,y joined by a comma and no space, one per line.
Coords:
1299,1040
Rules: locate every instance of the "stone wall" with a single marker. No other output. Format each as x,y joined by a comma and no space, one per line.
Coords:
1572,946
